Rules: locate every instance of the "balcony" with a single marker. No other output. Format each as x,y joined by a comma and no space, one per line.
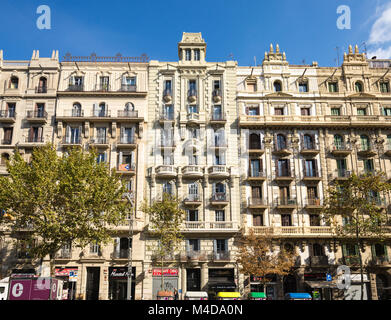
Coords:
192,95
64,254
193,117
282,150
300,232
101,114
286,203
128,88
192,172
127,114
219,144
218,118
120,254
221,256
341,150
218,171
8,116
102,87
167,95
33,141
193,256
309,149
351,261
387,150
166,117
99,142
6,141
366,151
313,204
72,141
208,227
216,95
311,176
71,115
41,89
166,171
37,116
379,261
257,203
219,199
126,168
283,176
316,261
192,200
76,87
340,174
256,176
126,143
256,150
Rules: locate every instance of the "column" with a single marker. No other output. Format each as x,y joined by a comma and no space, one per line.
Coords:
204,277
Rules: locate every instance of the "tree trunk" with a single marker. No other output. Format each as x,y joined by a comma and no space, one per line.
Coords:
361,265
162,284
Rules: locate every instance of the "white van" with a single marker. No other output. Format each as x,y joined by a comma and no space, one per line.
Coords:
196,295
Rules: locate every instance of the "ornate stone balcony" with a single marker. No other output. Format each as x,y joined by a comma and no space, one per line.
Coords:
37,116
219,199
215,227
192,171
7,116
340,150
218,171
166,171
257,203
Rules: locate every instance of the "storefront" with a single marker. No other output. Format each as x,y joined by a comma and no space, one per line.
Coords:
256,285
170,278
118,283
321,285
354,291
69,277
220,280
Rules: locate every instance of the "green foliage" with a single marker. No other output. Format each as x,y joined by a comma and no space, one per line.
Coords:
166,220
62,199
358,201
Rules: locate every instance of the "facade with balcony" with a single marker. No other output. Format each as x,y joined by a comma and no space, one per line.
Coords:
191,109
301,129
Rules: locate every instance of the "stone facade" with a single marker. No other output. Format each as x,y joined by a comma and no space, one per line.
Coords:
242,147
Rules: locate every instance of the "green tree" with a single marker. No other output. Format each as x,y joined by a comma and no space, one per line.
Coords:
356,210
165,219
256,257
69,199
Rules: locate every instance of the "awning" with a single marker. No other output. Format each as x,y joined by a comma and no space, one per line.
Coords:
321,284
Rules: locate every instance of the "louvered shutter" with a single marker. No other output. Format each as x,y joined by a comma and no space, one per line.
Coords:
79,134
120,157
68,134
187,246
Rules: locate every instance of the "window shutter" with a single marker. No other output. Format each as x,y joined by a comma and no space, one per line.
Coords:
356,248
344,251
40,133
213,188
133,133
68,134
94,109
373,248
316,168
385,252
304,167
120,158
226,245
79,133
187,245
132,160
215,246
117,243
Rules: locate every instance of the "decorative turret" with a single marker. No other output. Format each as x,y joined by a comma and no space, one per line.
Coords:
275,56
192,48
355,57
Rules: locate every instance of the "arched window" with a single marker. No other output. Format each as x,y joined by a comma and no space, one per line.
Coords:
338,142
281,142
277,86
359,86
365,145
129,106
308,142
101,110
317,250
220,187
255,141
14,82
76,110
42,85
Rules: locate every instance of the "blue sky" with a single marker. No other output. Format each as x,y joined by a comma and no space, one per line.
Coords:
304,29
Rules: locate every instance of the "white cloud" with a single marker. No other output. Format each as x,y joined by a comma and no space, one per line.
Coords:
381,29
380,53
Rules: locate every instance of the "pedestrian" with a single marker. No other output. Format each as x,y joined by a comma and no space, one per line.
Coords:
176,296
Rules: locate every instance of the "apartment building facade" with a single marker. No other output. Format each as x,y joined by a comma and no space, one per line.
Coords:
303,128
192,154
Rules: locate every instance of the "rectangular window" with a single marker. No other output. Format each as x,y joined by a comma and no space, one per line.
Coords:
335,111
7,136
368,165
303,87
386,111
192,88
10,110
305,111
351,250
94,248
197,54
279,111
216,84
361,111
251,87
167,87
333,87
283,168
257,220
194,244
188,54
221,245
192,215
252,111
314,220
384,87
220,215
286,220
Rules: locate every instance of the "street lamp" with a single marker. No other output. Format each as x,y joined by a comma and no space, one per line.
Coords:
129,197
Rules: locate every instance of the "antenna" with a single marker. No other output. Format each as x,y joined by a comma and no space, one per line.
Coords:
255,61
337,48
231,55
363,44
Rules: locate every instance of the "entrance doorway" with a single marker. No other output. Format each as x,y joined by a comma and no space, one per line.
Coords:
92,288
193,282
289,284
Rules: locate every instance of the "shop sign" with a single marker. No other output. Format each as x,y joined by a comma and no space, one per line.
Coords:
118,273
65,272
269,278
314,276
167,272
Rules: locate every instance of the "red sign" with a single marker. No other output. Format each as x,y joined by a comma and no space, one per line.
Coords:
64,272
157,272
